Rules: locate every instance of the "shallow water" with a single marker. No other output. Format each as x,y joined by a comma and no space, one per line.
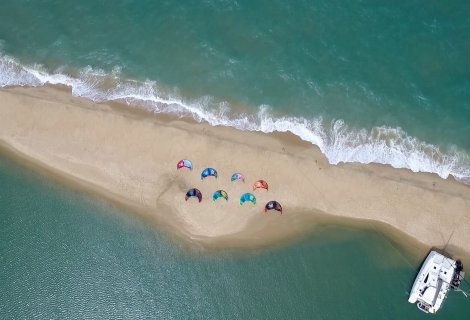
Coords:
67,255
368,81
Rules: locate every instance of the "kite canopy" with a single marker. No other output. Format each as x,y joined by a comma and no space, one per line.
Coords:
220,193
238,176
247,197
273,205
260,184
184,164
208,172
193,193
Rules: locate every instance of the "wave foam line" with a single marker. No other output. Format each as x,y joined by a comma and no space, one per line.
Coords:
338,142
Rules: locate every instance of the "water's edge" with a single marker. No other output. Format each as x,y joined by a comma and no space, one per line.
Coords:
336,140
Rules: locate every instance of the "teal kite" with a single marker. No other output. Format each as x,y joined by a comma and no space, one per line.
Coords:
220,193
247,197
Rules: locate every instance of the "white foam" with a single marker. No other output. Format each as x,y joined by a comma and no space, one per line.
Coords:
335,139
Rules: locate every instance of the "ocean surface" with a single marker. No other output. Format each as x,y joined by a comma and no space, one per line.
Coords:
67,255
366,81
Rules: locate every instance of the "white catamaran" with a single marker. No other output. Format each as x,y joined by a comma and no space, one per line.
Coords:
437,276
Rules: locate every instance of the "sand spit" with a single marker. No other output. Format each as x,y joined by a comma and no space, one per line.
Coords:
131,155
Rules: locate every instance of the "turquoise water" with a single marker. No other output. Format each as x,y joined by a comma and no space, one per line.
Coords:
66,255
367,81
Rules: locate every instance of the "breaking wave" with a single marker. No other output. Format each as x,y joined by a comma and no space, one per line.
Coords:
338,141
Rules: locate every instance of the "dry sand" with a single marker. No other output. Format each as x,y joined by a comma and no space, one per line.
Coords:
130,156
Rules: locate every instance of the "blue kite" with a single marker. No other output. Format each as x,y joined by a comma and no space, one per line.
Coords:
208,172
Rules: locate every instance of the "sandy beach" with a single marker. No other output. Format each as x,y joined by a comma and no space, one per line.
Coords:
130,156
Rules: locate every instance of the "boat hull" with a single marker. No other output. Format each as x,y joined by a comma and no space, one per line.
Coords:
433,282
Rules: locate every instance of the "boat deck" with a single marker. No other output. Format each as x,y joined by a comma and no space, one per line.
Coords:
433,282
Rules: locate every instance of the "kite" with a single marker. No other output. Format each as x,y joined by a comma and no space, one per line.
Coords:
208,172
273,205
238,176
193,193
247,197
220,193
184,164
260,184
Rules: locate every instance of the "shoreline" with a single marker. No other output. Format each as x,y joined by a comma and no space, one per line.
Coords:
412,249
75,139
